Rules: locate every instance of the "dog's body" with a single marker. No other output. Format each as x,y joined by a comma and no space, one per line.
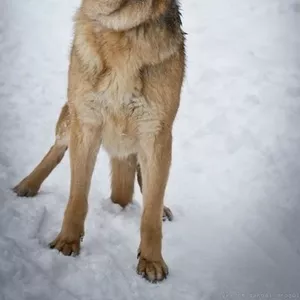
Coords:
125,76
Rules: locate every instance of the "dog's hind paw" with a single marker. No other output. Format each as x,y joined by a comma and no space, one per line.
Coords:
26,189
167,214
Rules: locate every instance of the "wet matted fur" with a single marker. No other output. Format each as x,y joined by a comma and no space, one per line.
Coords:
125,76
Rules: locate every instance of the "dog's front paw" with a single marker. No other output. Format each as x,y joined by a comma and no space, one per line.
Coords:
67,245
153,271
26,189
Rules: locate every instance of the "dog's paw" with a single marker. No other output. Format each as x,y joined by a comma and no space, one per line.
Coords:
153,271
26,189
67,245
167,214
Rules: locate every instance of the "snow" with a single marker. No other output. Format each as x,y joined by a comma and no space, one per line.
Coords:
234,184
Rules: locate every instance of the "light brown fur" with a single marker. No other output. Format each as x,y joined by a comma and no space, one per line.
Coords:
125,76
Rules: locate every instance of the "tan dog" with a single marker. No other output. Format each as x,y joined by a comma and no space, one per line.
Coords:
126,70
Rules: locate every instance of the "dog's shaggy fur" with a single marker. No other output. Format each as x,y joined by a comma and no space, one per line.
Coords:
125,76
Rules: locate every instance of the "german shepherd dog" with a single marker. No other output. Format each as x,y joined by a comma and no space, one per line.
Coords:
125,76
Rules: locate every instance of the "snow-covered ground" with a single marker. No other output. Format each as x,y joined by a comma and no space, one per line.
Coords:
235,180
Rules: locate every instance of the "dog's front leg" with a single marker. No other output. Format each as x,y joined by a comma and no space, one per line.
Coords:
155,159
84,146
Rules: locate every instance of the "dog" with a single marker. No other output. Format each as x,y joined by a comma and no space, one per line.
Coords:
126,71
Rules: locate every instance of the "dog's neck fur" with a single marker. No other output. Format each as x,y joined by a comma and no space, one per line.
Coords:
147,30
121,15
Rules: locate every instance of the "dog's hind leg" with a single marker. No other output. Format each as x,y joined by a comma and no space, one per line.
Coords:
122,179
30,185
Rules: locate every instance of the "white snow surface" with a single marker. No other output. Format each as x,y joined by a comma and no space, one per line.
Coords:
235,180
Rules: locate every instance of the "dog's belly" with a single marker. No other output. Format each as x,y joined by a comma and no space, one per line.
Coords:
117,140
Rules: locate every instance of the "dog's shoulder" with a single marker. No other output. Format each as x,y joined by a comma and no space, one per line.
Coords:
85,48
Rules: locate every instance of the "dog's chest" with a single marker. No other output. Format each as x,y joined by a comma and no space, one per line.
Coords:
116,102
121,108
117,96
118,106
